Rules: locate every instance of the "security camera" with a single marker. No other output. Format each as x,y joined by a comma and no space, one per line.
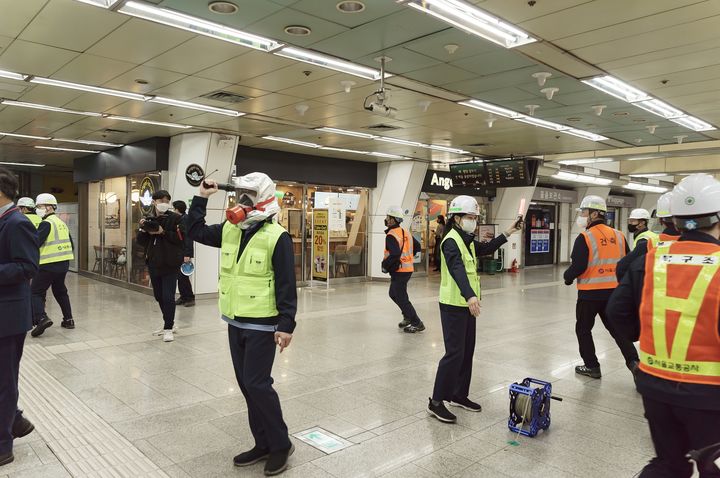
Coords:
380,108
378,105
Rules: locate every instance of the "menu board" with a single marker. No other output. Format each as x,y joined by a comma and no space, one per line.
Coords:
468,174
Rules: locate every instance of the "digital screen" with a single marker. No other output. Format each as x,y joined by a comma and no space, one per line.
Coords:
468,174
512,173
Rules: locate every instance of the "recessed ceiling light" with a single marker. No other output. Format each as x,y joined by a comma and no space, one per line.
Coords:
621,113
140,81
350,6
574,119
639,120
297,30
223,8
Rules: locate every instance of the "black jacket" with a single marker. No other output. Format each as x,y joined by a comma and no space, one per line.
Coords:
188,248
19,256
623,311
283,261
579,264
639,251
453,257
392,246
164,252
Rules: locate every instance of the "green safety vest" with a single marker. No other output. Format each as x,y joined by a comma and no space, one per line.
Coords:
57,247
449,290
247,285
35,219
649,236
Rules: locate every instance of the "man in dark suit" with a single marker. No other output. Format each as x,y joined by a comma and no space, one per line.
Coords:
19,258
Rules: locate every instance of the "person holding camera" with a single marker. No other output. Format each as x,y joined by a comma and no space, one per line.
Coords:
187,298
163,236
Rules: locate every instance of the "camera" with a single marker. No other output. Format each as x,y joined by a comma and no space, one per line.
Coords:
382,109
150,224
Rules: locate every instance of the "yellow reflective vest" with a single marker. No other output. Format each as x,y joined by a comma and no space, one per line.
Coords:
449,291
57,247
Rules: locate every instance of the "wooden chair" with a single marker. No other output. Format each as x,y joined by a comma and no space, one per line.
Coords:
97,267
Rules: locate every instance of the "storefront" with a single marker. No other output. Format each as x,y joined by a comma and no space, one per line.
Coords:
619,208
437,192
547,226
306,184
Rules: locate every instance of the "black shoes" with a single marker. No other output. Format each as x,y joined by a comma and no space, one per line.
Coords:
44,323
67,324
189,303
588,372
466,403
404,323
180,301
21,426
278,461
250,457
411,329
6,458
440,412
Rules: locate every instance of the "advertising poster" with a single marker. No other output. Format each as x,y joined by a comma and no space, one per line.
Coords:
336,211
539,241
320,244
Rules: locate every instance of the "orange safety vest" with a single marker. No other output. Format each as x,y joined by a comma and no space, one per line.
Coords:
662,237
679,337
404,240
606,247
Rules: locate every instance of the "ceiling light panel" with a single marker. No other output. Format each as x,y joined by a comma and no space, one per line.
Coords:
197,25
446,149
25,136
291,141
101,3
94,143
345,132
67,149
585,134
542,123
332,63
659,108
32,165
142,121
693,123
582,178
473,20
490,108
194,106
645,188
11,75
618,89
400,141
569,162
48,108
88,88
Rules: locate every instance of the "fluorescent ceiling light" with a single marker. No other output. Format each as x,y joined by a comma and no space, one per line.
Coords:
90,89
649,175
659,108
32,165
330,62
542,123
569,162
94,143
67,149
197,25
195,106
343,150
25,136
386,155
48,108
346,132
142,121
447,149
481,105
645,188
693,123
11,75
581,178
619,89
585,134
643,158
400,141
292,141
473,20
100,3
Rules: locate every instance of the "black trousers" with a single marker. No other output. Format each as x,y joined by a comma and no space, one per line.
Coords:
253,354
675,431
185,287
11,349
455,369
399,295
164,290
53,277
585,312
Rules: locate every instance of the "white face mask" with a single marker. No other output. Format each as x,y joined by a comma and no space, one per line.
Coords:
581,222
40,211
468,225
162,207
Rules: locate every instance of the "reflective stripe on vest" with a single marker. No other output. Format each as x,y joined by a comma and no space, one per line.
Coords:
57,247
662,237
405,242
679,338
247,284
651,238
606,246
449,291
35,219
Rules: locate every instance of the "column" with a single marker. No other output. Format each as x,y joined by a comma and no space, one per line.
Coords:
505,213
399,184
210,151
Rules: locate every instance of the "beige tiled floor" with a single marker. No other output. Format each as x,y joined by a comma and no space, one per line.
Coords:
350,371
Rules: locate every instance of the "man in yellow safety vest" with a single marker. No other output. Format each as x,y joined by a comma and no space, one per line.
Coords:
56,252
27,207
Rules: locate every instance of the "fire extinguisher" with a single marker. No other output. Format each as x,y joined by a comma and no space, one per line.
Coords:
514,266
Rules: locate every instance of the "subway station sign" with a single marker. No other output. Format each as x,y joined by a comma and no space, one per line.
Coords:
555,195
440,182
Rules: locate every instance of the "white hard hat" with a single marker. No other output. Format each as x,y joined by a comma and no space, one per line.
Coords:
696,195
593,202
396,212
639,214
26,202
464,205
663,205
46,198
